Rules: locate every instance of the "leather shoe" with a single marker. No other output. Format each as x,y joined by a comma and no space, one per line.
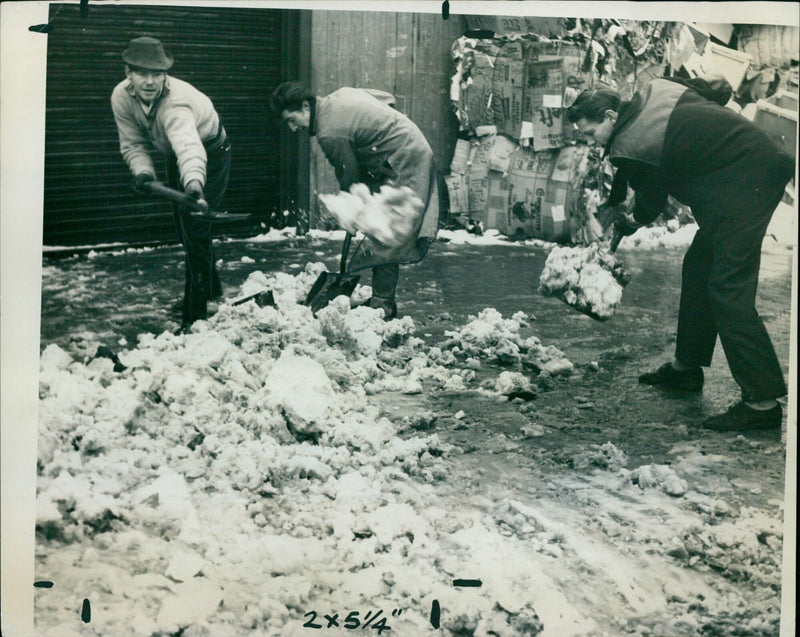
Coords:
740,417
185,328
668,377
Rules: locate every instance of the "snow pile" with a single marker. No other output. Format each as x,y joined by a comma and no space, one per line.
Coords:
463,237
747,547
275,235
497,339
510,383
606,456
659,476
388,216
588,278
670,235
232,479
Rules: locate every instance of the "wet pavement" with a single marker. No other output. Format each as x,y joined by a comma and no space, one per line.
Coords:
113,296
529,450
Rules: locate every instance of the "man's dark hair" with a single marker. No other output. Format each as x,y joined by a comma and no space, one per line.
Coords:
593,103
289,96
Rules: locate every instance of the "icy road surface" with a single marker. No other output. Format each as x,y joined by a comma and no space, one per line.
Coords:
271,468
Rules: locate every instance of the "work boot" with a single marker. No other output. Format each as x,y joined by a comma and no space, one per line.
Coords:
388,306
740,417
185,328
668,377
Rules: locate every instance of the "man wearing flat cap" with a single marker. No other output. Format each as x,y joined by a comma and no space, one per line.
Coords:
155,110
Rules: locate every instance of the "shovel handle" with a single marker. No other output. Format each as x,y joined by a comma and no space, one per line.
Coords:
345,249
615,241
157,188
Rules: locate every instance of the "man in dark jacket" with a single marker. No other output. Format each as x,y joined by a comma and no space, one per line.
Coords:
676,138
154,110
367,141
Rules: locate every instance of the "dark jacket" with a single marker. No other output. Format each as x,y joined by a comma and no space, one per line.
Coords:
671,140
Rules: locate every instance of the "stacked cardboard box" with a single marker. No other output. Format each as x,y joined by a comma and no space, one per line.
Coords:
507,86
520,191
518,88
528,178
521,172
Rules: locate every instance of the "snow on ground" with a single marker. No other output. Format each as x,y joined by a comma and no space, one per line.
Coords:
232,480
243,467
589,278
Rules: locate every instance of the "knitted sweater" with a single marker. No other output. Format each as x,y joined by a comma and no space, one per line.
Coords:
178,122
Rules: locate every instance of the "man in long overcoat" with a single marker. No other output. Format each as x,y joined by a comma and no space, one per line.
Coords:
675,138
368,141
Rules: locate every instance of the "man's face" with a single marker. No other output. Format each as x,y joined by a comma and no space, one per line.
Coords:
597,132
147,84
297,119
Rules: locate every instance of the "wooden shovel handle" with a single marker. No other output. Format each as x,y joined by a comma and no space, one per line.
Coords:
345,249
159,189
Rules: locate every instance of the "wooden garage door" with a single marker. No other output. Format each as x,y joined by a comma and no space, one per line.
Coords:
233,55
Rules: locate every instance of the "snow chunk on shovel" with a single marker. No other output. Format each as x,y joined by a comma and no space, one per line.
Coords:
300,387
588,278
390,216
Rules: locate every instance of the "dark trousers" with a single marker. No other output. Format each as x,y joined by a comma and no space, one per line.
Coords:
202,278
384,280
718,298
385,277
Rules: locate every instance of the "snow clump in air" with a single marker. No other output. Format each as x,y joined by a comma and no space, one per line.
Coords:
588,278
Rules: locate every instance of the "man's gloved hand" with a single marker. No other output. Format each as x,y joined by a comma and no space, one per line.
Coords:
195,190
626,225
140,180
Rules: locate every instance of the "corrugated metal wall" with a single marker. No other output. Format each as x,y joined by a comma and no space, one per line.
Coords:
234,56
407,54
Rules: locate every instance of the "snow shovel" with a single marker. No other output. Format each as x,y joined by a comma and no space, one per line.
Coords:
329,285
160,190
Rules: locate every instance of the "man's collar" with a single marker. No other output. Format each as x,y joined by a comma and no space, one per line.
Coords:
625,113
312,121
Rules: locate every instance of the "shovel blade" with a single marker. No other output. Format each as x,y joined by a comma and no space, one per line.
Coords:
328,286
262,299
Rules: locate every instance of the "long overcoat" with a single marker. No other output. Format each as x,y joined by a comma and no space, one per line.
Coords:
368,141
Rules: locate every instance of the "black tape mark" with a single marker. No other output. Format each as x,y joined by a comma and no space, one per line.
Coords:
480,34
84,9
474,583
445,9
436,613
86,612
45,28
43,584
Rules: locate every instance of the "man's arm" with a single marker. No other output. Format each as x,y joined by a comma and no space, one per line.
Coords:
651,193
133,142
181,130
339,152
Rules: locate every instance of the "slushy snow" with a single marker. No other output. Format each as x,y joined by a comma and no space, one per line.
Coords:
231,479
588,278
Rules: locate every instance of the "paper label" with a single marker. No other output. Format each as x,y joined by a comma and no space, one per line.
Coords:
551,101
